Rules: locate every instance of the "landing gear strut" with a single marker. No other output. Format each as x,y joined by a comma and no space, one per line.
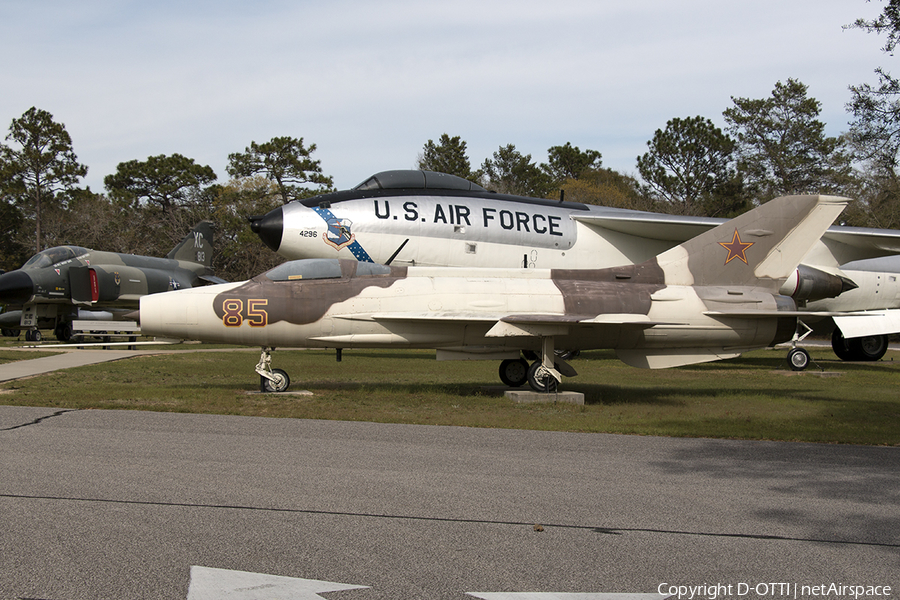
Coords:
543,375
271,380
797,357
546,374
541,379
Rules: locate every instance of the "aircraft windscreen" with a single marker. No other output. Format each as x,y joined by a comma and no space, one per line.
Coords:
51,256
310,268
321,268
367,268
408,179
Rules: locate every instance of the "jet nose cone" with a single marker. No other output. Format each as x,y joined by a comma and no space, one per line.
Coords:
16,287
269,228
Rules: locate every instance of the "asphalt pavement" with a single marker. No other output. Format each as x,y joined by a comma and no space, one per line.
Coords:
102,504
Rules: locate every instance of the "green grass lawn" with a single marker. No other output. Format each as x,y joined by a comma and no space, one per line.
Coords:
752,397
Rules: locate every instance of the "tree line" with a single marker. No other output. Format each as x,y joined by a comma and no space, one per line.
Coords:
770,147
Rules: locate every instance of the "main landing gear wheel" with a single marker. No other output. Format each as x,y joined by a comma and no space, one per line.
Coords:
870,347
63,332
279,382
798,359
540,379
840,346
866,348
514,372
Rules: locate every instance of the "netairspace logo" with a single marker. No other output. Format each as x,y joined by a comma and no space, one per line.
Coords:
754,591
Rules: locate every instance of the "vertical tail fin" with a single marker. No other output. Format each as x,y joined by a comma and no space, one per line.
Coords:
760,247
197,246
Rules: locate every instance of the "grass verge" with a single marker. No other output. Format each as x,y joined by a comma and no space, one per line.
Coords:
752,397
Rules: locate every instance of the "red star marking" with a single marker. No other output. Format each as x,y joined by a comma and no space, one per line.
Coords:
736,248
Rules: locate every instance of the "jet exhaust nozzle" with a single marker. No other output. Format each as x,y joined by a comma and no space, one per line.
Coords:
812,284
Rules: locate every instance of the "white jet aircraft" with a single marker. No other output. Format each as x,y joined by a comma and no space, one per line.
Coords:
423,218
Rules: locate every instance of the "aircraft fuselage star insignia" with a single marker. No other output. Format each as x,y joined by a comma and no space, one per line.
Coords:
736,248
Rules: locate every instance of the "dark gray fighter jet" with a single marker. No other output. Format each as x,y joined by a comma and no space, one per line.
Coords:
51,287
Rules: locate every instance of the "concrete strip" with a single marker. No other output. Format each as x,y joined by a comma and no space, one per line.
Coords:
67,360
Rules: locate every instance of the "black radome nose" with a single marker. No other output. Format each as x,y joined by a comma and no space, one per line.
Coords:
269,228
16,287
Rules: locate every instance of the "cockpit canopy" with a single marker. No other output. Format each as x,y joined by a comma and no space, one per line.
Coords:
52,256
424,180
321,268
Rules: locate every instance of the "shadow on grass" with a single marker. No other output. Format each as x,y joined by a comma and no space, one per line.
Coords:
673,395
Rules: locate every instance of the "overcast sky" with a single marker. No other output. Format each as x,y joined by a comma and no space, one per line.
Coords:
369,82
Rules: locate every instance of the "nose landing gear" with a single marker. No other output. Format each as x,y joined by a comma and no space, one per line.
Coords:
797,357
271,380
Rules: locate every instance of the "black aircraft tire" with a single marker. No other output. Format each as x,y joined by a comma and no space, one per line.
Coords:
63,332
798,359
545,384
514,372
282,382
840,346
870,347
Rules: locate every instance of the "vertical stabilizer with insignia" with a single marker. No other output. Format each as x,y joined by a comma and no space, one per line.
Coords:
761,247
197,246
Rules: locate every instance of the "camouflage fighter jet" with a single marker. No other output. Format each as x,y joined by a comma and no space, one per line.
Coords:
712,297
423,218
51,287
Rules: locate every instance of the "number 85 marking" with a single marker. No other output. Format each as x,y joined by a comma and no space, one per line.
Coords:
234,315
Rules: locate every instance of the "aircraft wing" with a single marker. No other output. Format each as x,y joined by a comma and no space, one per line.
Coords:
212,279
546,325
528,325
882,240
673,228
750,313
875,322
668,228
442,317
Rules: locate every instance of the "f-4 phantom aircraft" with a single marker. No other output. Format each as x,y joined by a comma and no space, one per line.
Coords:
423,218
712,297
51,287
